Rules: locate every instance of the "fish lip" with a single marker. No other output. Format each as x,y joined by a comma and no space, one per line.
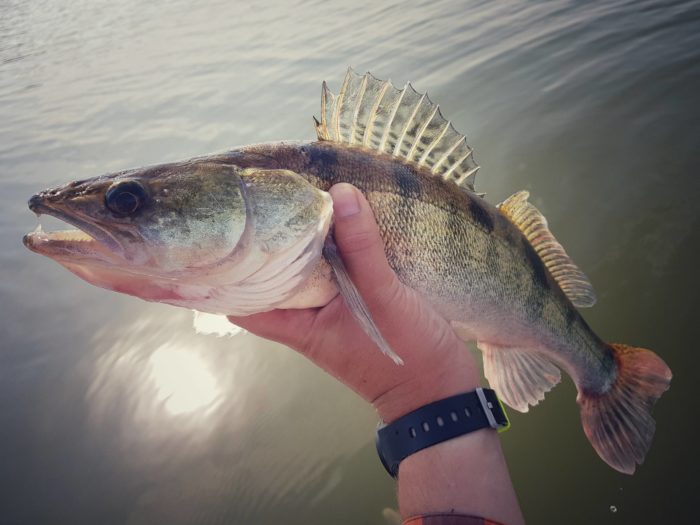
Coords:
38,204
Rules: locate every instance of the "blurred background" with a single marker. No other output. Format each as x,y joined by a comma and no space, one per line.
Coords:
113,410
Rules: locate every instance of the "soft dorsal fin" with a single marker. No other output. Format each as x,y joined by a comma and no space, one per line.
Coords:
532,223
372,113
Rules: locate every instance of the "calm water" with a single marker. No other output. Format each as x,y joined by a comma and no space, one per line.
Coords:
113,411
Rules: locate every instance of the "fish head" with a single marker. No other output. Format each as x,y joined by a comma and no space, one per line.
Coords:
143,232
182,233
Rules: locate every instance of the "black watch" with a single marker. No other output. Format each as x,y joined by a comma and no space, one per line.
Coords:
438,422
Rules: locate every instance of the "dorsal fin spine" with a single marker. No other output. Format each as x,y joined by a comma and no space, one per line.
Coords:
338,105
373,113
402,123
322,127
356,112
397,148
448,153
419,136
470,173
434,143
324,107
387,128
448,173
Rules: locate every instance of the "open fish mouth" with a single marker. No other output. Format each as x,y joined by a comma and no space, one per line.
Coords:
88,240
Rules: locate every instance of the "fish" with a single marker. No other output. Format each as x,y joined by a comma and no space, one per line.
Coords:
250,230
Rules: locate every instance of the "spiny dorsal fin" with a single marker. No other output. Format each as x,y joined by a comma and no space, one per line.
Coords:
532,223
374,114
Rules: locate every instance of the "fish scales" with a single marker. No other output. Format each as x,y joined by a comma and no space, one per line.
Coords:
248,231
443,242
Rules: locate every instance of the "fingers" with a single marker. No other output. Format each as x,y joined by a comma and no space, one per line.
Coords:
361,246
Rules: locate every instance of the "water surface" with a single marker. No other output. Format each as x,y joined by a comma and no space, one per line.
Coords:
113,411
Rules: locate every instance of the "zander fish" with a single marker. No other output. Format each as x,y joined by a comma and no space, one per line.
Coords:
244,232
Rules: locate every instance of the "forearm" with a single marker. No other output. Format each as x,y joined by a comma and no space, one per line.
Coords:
465,475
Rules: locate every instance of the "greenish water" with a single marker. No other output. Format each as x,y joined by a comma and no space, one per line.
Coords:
113,411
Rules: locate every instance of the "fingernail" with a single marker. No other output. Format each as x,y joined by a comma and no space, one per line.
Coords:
345,203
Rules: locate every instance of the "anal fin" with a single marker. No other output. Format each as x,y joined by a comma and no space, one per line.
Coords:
520,377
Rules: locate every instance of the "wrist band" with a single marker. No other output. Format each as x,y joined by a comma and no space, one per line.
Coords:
438,422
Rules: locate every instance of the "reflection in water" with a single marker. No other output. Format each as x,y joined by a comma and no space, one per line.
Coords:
210,324
157,369
183,381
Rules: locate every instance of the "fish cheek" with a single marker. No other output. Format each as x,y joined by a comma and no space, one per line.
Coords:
179,239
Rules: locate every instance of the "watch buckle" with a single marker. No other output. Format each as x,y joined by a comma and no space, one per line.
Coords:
487,406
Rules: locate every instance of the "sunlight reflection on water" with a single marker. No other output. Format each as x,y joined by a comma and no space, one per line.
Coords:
183,381
158,377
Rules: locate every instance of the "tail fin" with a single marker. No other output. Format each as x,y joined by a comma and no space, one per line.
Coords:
618,423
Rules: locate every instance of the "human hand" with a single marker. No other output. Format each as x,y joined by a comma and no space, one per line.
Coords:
437,363
465,475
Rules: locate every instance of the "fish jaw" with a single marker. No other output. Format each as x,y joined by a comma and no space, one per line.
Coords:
88,243
91,253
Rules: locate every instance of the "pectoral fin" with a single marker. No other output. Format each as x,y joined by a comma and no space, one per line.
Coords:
354,300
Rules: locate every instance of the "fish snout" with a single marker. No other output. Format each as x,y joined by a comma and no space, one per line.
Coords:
39,202
36,202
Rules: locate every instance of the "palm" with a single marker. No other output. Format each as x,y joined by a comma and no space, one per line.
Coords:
330,337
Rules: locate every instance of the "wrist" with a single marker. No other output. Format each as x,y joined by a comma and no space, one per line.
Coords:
465,475
457,377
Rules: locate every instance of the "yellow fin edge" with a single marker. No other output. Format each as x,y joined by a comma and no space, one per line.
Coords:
534,226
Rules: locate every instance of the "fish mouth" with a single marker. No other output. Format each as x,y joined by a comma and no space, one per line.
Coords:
87,241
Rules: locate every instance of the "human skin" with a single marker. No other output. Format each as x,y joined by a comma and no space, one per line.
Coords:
466,475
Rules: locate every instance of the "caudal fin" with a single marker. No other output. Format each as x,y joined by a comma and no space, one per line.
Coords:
618,423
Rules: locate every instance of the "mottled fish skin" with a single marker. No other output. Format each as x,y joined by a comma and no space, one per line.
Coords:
458,250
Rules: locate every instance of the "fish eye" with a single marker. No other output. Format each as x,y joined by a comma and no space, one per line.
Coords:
124,198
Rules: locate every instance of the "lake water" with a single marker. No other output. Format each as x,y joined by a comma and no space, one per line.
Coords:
113,411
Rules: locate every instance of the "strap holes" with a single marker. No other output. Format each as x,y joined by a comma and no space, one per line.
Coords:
440,421
467,413
412,432
426,427
453,416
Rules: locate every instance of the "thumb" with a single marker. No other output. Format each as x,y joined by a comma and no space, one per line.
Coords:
361,246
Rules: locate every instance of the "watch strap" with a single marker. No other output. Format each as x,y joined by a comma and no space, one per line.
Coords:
437,422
